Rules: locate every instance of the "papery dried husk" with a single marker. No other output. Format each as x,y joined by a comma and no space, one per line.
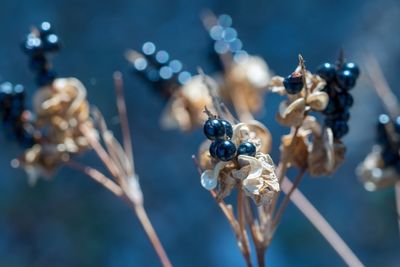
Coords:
292,114
61,109
225,180
246,80
326,154
276,85
374,174
295,153
205,161
42,160
254,132
185,108
259,180
310,123
318,100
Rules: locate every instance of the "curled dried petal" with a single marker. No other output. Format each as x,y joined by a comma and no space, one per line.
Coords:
318,100
292,114
373,174
208,180
295,150
254,132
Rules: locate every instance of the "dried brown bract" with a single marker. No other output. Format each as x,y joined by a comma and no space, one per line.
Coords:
185,107
61,109
254,175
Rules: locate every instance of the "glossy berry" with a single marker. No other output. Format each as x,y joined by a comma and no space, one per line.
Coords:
346,79
331,108
382,135
327,71
213,148
339,129
45,29
226,150
293,83
353,68
247,148
51,43
214,129
45,78
228,128
345,99
32,45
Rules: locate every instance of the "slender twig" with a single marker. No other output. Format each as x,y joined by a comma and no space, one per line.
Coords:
213,94
121,105
97,176
312,214
397,193
286,200
381,86
242,224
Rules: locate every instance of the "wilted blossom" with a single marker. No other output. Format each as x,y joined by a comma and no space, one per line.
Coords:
185,107
374,174
292,111
254,175
61,109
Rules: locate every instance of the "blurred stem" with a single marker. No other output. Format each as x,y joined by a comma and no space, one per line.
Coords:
381,86
397,193
312,214
286,200
242,224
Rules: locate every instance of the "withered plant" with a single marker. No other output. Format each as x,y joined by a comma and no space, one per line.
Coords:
62,125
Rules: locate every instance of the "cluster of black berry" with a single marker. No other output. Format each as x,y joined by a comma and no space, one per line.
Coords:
340,79
12,107
388,137
156,67
36,45
220,132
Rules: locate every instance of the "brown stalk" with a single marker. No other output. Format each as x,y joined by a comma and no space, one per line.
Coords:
397,194
242,225
286,200
312,214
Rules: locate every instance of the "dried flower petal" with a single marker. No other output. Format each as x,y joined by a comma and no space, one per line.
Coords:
318,100
373,174
292,114
295,150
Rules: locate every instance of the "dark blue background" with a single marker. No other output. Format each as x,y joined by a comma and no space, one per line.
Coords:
73,222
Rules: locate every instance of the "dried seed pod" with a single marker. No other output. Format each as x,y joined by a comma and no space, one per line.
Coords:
292,114
374,174
296,151
185,108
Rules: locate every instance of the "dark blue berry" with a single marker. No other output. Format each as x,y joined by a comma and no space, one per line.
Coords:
247,148
33,45
382,135
51,43
228,128
214,129
339,129
213,148
330,108
38,63
293,83
345,99
327,71
352,67
45,78
226,150
45,29
346,79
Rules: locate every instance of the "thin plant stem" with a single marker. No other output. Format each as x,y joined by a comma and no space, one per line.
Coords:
98,177
242,224
121,105
286,200
397,195
382,87
312,214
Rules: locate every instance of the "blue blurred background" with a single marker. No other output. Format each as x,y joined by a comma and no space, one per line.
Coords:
72,221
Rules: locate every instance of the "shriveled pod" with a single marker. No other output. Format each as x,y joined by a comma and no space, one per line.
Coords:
255,132
204,158
373,174
318,100
326,154
65,97
185,108
292,114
